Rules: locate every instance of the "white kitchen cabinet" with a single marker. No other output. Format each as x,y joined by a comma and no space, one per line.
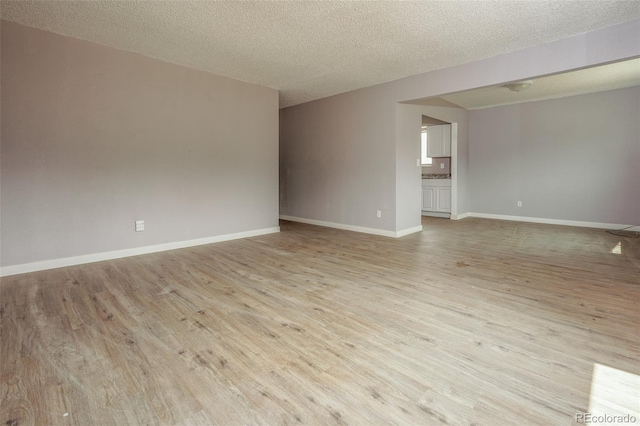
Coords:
428,198
439,141
443,199
436,197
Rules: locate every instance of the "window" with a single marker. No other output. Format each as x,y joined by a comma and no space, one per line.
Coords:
426,161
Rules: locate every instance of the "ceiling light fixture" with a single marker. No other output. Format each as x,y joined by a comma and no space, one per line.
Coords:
519,86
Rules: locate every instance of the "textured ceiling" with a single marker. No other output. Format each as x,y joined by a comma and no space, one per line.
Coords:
313,49
597,79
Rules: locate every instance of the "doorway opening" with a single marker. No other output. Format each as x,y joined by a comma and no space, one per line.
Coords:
438,148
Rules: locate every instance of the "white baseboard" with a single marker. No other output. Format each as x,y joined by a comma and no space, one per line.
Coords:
408,231
459,216
582,224
97,257
353,228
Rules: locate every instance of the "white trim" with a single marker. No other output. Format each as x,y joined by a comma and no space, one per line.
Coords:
454,169
353,228
459,216
582,224
436,214
408,231
97,257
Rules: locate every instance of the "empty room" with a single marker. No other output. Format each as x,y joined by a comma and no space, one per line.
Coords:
319,212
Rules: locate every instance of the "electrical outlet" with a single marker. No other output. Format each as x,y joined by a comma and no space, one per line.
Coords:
519,203
139,225
378,214
442,165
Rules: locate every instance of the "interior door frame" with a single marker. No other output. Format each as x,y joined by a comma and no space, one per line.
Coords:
454,171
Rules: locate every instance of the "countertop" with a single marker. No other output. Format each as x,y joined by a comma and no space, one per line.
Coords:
436,176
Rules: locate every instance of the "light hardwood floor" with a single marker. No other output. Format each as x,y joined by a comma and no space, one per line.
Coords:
469,322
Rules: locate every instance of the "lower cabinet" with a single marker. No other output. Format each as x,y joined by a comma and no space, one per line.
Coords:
436,198
443,200
428,199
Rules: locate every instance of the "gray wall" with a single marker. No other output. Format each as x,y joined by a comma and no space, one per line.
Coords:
334,161
94,138
342,157
575,158
408,173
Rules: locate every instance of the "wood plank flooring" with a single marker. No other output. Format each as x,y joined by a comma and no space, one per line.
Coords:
469,322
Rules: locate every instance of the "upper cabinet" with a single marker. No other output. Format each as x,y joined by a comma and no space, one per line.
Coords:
439,141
